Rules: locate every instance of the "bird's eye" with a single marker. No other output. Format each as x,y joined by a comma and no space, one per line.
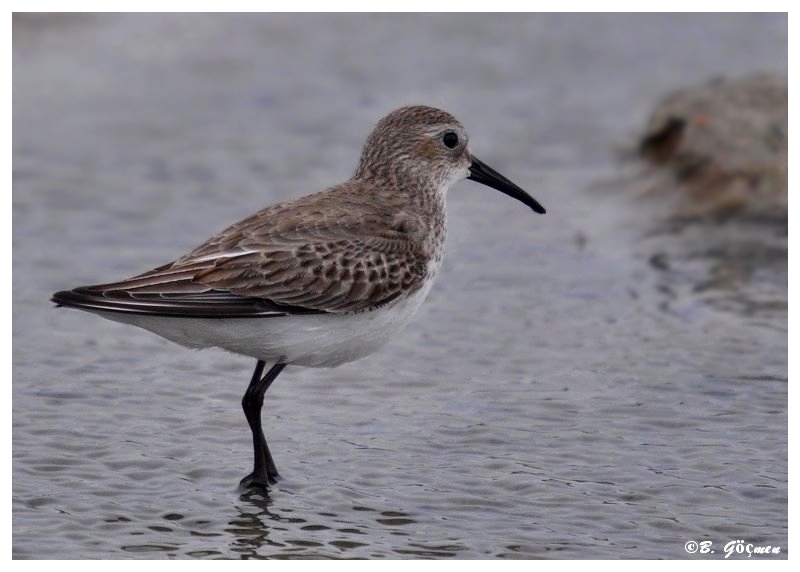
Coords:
450,140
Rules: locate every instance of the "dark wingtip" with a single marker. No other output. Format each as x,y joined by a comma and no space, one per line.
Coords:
67,298
58,298
210,304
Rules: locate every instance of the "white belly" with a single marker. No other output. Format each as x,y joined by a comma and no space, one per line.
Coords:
326,340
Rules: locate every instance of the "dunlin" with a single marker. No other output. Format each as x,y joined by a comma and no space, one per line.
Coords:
318,281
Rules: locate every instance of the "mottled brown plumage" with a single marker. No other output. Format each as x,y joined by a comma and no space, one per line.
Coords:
358,246
318,281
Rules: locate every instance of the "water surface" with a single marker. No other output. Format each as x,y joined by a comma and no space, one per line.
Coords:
585,384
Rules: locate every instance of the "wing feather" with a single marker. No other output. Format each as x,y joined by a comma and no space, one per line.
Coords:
318,254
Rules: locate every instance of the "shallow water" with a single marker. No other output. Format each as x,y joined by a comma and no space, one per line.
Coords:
586,384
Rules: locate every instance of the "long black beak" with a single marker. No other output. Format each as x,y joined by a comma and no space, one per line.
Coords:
484,174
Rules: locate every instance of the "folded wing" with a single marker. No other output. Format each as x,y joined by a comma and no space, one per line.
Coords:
270,265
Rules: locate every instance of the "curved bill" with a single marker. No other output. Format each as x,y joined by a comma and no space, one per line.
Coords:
484,174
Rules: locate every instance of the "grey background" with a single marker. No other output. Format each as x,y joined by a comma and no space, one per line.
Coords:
561,394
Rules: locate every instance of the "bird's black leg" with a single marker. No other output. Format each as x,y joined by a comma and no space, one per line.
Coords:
264,471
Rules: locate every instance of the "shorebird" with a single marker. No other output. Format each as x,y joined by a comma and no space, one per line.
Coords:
318,281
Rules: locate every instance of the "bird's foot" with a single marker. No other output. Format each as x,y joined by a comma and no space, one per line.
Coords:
258,481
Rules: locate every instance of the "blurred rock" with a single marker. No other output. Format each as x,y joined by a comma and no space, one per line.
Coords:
722,148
